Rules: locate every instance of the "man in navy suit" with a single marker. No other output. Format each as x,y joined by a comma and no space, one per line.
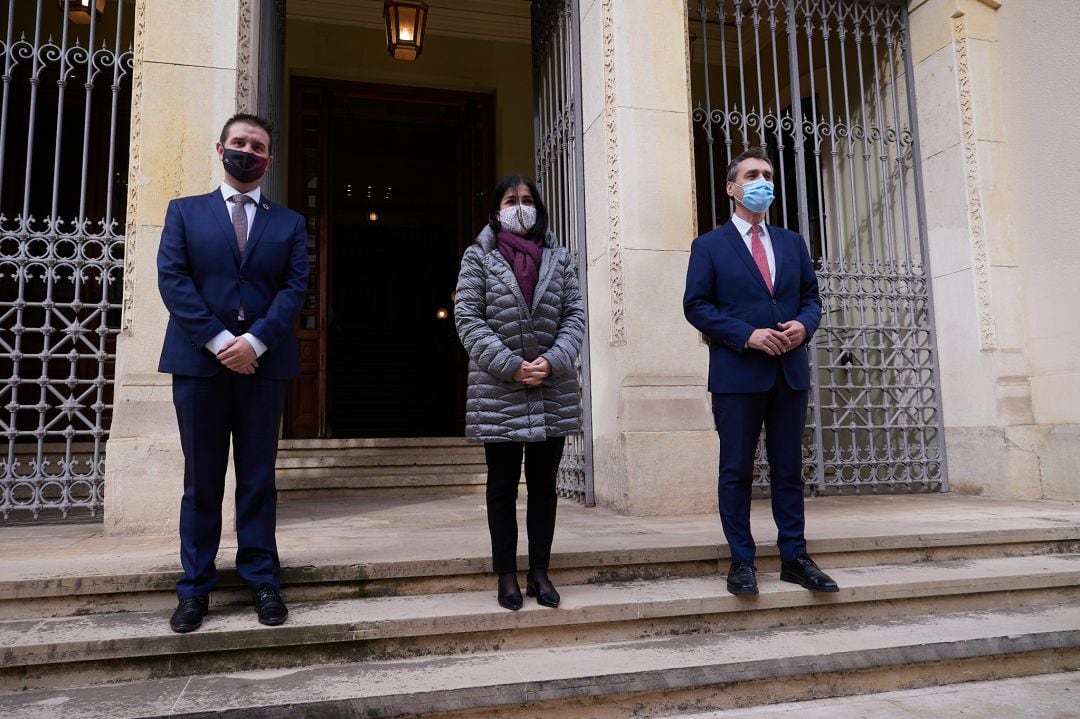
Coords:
232,271
752,292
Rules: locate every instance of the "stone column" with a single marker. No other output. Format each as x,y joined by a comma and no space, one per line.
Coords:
994,444
184,87
1039,75
655,448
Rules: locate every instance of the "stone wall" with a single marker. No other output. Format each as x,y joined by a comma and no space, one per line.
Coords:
1000,257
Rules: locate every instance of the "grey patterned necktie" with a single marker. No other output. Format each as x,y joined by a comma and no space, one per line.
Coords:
239,219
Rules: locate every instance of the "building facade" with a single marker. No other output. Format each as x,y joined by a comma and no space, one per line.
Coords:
910,142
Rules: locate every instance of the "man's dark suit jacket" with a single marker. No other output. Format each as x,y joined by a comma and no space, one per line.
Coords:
203,282
726,299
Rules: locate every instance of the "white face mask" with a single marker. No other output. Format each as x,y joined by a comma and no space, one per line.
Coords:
518,219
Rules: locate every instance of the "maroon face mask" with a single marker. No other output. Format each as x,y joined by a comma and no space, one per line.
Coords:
243,166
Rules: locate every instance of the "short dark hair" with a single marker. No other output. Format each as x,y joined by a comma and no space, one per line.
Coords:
540,229
755,153
251,120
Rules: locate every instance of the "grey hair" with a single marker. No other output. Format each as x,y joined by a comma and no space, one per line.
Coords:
755,153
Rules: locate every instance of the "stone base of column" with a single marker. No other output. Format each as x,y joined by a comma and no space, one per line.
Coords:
1022,461
144,463
663,461
144,484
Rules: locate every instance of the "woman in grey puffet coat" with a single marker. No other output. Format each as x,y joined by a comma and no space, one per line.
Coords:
520,316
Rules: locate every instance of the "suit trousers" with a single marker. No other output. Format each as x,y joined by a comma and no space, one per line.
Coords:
504,474
739,419
210,411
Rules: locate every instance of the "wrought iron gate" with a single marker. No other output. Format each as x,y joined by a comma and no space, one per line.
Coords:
63,188
822,86
560,175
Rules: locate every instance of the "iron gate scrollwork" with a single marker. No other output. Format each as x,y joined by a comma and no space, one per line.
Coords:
823,86
63,185
560,176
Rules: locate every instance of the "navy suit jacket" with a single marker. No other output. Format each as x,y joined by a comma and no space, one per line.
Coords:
203,281
726,299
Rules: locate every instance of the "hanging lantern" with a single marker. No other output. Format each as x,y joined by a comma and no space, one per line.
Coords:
79,10
405,23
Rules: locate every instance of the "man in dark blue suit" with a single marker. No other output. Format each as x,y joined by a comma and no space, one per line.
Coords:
752,292
232,271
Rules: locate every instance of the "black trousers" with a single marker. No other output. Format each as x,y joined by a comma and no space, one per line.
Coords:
504,474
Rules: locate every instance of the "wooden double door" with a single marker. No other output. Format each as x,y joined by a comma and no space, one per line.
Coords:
393,183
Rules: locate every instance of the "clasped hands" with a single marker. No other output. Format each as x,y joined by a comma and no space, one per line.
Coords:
787,336
238,355
533,373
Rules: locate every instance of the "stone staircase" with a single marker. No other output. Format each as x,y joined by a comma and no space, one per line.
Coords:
644,631
335,468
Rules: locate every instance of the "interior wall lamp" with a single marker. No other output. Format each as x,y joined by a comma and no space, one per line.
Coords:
406,21
79,10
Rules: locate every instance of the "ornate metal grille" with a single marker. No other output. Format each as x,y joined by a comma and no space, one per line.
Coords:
560,174
822,86
63,164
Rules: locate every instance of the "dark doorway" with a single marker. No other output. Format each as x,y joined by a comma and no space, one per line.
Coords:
401,192
393,355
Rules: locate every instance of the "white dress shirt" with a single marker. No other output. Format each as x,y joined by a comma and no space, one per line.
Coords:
219,340
744,228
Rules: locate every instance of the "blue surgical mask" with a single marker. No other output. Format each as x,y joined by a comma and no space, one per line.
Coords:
757,195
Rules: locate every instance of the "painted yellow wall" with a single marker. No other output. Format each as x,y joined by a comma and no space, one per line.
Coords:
352,53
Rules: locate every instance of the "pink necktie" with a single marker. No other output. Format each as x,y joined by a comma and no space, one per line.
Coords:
757,249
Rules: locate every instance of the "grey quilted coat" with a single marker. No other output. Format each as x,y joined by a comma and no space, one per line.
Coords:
499,332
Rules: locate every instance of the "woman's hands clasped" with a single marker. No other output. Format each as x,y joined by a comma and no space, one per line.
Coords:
533,373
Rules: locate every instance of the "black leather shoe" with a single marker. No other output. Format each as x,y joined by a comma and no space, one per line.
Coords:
509,592
742,578
270,606
803,571
539,585
189,614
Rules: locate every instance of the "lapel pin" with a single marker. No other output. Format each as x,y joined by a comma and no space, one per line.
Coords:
266,206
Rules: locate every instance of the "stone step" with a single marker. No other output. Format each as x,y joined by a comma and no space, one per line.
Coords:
339,468
644,677
1050,695
332,483
75,651
333,487
134,584
420,461
405,473
377,443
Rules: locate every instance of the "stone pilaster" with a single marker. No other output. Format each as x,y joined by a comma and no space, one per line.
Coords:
993,439
655,449
184,87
